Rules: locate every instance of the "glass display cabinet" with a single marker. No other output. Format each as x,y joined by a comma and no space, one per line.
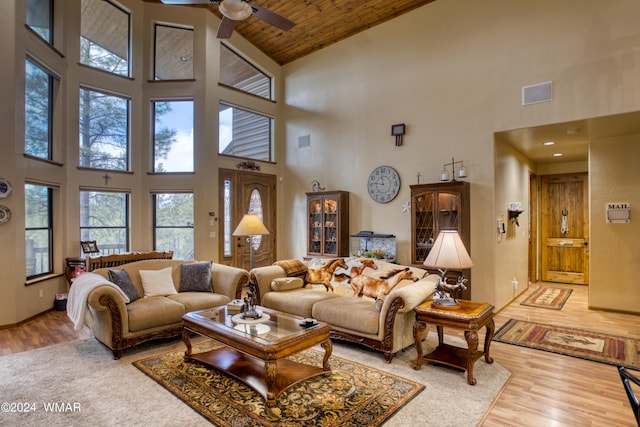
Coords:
435,207
328,224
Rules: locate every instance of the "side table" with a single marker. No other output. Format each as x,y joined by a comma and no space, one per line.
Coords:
70,266
471,316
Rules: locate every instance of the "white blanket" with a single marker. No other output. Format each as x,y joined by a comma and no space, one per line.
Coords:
77,307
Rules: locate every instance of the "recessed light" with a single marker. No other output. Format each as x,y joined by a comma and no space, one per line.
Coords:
548,143
557,154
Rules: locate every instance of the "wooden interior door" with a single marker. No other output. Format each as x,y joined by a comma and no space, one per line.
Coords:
564,210
240,193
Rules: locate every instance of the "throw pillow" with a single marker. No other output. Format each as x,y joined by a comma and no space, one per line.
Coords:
286,283
122,279
196,277
157,282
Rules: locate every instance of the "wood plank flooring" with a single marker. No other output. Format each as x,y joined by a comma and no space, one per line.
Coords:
545,389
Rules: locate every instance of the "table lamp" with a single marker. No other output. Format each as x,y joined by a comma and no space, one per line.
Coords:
448,252
251,226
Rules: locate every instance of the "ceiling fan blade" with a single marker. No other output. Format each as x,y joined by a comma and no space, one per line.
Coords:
225,29
272,18
189,2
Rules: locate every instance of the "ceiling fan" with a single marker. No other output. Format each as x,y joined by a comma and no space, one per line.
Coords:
237,10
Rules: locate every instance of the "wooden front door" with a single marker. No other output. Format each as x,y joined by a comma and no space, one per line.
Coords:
564,214
244,192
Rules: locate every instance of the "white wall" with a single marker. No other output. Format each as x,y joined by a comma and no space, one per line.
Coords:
455,79
614,252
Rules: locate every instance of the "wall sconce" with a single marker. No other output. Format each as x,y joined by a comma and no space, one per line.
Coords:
398,131
462,171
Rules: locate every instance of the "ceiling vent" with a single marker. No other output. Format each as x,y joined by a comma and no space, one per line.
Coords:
541,92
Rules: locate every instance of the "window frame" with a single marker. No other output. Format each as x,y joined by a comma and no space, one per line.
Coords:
50,40
126,228
242,58
127,127
155,53
154,207
51,83
129,45
271,129
49,228
153,135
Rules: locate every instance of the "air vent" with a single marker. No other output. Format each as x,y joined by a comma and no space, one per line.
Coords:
541,92
304,141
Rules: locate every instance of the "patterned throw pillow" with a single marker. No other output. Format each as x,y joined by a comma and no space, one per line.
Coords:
196,277
122,279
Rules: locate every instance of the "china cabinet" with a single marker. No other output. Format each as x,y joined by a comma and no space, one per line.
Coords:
435,207
328,224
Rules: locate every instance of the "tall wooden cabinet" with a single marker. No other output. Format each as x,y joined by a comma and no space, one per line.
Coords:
435,207
328,224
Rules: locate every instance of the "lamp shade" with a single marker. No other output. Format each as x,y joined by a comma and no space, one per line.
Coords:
448,252
250,225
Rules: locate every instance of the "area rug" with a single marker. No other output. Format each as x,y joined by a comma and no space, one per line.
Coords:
553,298
584,344
351,394
93,389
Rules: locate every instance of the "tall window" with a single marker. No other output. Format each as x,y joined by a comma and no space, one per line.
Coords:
235,71
105,36
104,131
40,18
243,133
173,136
173,224
38,230
37,111
173,53
104,217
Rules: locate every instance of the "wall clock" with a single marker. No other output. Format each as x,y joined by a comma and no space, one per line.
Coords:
384,184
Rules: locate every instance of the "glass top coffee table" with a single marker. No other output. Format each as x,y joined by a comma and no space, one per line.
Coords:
255,351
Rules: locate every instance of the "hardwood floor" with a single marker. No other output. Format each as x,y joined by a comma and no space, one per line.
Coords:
545,389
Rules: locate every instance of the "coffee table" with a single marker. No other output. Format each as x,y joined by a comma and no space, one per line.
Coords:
255,351
471,317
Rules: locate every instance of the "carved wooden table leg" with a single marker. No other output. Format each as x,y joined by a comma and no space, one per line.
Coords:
186,339
490,328
418,329
271,368
472,347
328,348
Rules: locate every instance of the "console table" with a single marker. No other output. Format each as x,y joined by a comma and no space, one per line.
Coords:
471,317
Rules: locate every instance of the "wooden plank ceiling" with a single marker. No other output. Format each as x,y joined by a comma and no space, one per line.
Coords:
319,23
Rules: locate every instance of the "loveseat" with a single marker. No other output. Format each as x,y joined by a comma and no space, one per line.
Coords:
384,324
145,300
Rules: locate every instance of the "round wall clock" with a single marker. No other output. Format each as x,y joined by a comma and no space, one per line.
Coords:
384,184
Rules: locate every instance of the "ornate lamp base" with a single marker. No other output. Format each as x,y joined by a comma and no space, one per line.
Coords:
447,306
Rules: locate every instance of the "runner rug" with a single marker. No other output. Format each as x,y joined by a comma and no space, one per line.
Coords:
553,298
595,346
351,394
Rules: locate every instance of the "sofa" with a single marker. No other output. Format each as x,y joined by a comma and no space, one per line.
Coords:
144,300
384,324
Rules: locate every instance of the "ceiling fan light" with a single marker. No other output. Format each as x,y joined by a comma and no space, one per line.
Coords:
235,9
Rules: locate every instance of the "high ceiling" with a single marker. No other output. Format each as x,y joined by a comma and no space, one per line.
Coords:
319,23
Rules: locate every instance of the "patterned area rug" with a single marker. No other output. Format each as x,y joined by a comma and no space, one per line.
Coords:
352,394
595,346
553,298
